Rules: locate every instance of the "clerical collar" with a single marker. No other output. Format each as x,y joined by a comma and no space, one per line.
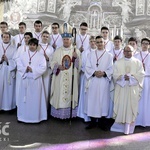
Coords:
128,58
67,48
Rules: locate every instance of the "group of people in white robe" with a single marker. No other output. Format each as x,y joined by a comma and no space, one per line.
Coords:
95,80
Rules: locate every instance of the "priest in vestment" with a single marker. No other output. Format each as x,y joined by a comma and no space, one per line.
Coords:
61,88
7,73
31,66
98,70
128,77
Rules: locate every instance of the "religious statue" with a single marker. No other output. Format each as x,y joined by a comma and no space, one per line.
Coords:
126,9
67,6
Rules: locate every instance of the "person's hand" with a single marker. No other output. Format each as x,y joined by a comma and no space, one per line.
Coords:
4,58
54,46
75,55
126,77
81,49
29,69
99,74
60,67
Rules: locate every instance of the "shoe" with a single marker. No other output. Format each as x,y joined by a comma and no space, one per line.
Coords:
91,126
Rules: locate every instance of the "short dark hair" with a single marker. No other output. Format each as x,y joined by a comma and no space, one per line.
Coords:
84,24
99,37
132,39
33,41
104,28
4,23
45,32
7,33
22,23
117,37
56,24
38,22
29,33
145,39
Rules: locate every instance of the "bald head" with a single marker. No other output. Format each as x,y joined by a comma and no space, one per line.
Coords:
128,51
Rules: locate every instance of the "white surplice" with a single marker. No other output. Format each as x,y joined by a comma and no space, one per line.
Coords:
31,99
97,102
57,39
117,53
17,55
7,79
81,106
47,75
109,45
37,35
83,40
19,39
127,93
143,118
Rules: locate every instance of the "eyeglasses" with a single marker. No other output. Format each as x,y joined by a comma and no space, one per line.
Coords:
128,51
83,29
99,42
145,43
54,27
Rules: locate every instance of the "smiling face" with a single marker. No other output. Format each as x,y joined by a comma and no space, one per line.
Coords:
100,43
26,39
45,38
128,51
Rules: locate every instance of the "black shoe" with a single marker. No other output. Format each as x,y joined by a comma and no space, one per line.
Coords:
91,126
104,128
